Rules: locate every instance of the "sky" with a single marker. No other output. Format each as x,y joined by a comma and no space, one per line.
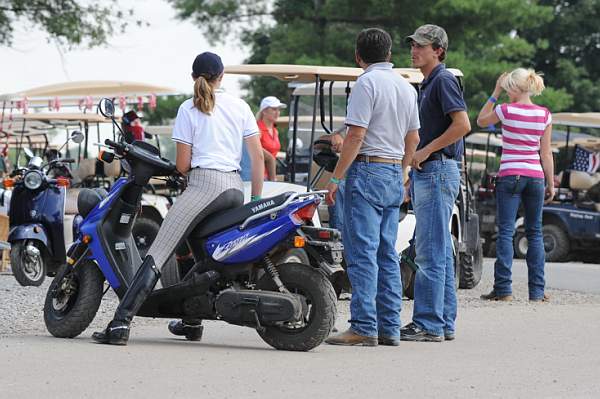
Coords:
160,54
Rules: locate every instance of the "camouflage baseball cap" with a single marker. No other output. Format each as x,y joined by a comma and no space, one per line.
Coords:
429,34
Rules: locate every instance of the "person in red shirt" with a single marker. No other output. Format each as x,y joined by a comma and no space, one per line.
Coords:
269,136
133,125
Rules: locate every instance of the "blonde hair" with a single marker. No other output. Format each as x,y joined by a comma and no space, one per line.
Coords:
204,95
524,81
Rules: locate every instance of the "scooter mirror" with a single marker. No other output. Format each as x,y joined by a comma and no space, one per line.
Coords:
77,137
106,107
28,152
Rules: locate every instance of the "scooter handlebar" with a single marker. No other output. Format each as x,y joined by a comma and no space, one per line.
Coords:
115,145
164,166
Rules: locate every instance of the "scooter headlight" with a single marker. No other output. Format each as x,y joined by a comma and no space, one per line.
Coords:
33,180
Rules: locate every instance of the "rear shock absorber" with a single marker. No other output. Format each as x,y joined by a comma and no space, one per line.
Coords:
272,270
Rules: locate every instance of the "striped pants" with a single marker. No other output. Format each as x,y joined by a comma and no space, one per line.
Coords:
205,188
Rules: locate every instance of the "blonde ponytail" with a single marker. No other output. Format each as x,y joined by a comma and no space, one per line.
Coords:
204,95
524,81
535,83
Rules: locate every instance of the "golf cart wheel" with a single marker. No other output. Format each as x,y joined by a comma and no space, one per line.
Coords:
556,243
407,272
144,232
409,275
28,263
520,244
170,273
471,268
320,297
73,301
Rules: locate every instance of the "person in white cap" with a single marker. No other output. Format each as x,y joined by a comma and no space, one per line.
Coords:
269,136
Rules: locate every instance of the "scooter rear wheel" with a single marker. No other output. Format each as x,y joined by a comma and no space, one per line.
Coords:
321,300
71,303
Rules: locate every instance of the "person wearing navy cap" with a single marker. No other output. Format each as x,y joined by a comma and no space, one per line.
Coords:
435,184
209,131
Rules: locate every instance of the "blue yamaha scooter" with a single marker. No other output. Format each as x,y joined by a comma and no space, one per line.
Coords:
36,217
234,279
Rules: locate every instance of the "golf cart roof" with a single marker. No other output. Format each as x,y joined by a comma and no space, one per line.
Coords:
587,142
309,73
57,117
308,89
482,138
159,130
586,119
95,88
283,122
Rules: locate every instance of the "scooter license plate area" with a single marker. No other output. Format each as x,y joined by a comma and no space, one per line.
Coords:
327,242
243,246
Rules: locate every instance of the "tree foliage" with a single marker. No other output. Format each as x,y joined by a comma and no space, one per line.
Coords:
165,111
67,22
558,38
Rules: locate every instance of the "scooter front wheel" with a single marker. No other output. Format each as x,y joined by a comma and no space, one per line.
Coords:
28,263
321,302
73,300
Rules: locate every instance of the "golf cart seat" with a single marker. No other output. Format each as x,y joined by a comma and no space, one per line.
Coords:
71,201
112,169
85,169
223,219
580,181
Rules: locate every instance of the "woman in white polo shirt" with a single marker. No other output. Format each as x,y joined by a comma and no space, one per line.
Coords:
209,131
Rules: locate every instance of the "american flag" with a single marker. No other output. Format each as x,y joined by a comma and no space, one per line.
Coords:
585,160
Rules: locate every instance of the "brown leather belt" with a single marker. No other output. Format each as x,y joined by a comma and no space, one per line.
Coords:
368,159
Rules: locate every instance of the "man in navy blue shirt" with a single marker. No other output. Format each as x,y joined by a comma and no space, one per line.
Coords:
435,186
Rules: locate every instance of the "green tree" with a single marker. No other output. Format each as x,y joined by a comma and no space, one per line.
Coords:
569,50
165,111
487,37
67,22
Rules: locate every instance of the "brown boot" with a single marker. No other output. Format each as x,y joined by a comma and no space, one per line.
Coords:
350,338
492,296
545,298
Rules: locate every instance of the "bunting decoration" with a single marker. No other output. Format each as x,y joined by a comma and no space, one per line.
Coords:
152,103
89,103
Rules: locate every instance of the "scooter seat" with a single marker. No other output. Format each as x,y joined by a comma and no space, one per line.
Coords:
224,219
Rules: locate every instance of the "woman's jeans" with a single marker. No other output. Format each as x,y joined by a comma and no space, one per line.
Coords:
510,192
372,196
434,191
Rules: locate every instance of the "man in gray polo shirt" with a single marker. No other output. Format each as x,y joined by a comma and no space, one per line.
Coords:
383,123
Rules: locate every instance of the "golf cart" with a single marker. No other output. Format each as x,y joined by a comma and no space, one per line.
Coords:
323,91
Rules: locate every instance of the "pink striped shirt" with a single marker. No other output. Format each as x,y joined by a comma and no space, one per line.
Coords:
523,126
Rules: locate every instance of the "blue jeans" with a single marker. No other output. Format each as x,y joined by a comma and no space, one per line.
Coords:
434,191
245,165
336,212
372,198
510,192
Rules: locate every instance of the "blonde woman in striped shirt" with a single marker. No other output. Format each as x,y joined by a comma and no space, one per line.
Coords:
526,161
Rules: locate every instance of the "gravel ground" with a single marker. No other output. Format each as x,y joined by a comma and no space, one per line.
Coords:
21,308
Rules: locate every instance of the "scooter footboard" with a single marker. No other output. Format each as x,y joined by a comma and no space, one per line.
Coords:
171,302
